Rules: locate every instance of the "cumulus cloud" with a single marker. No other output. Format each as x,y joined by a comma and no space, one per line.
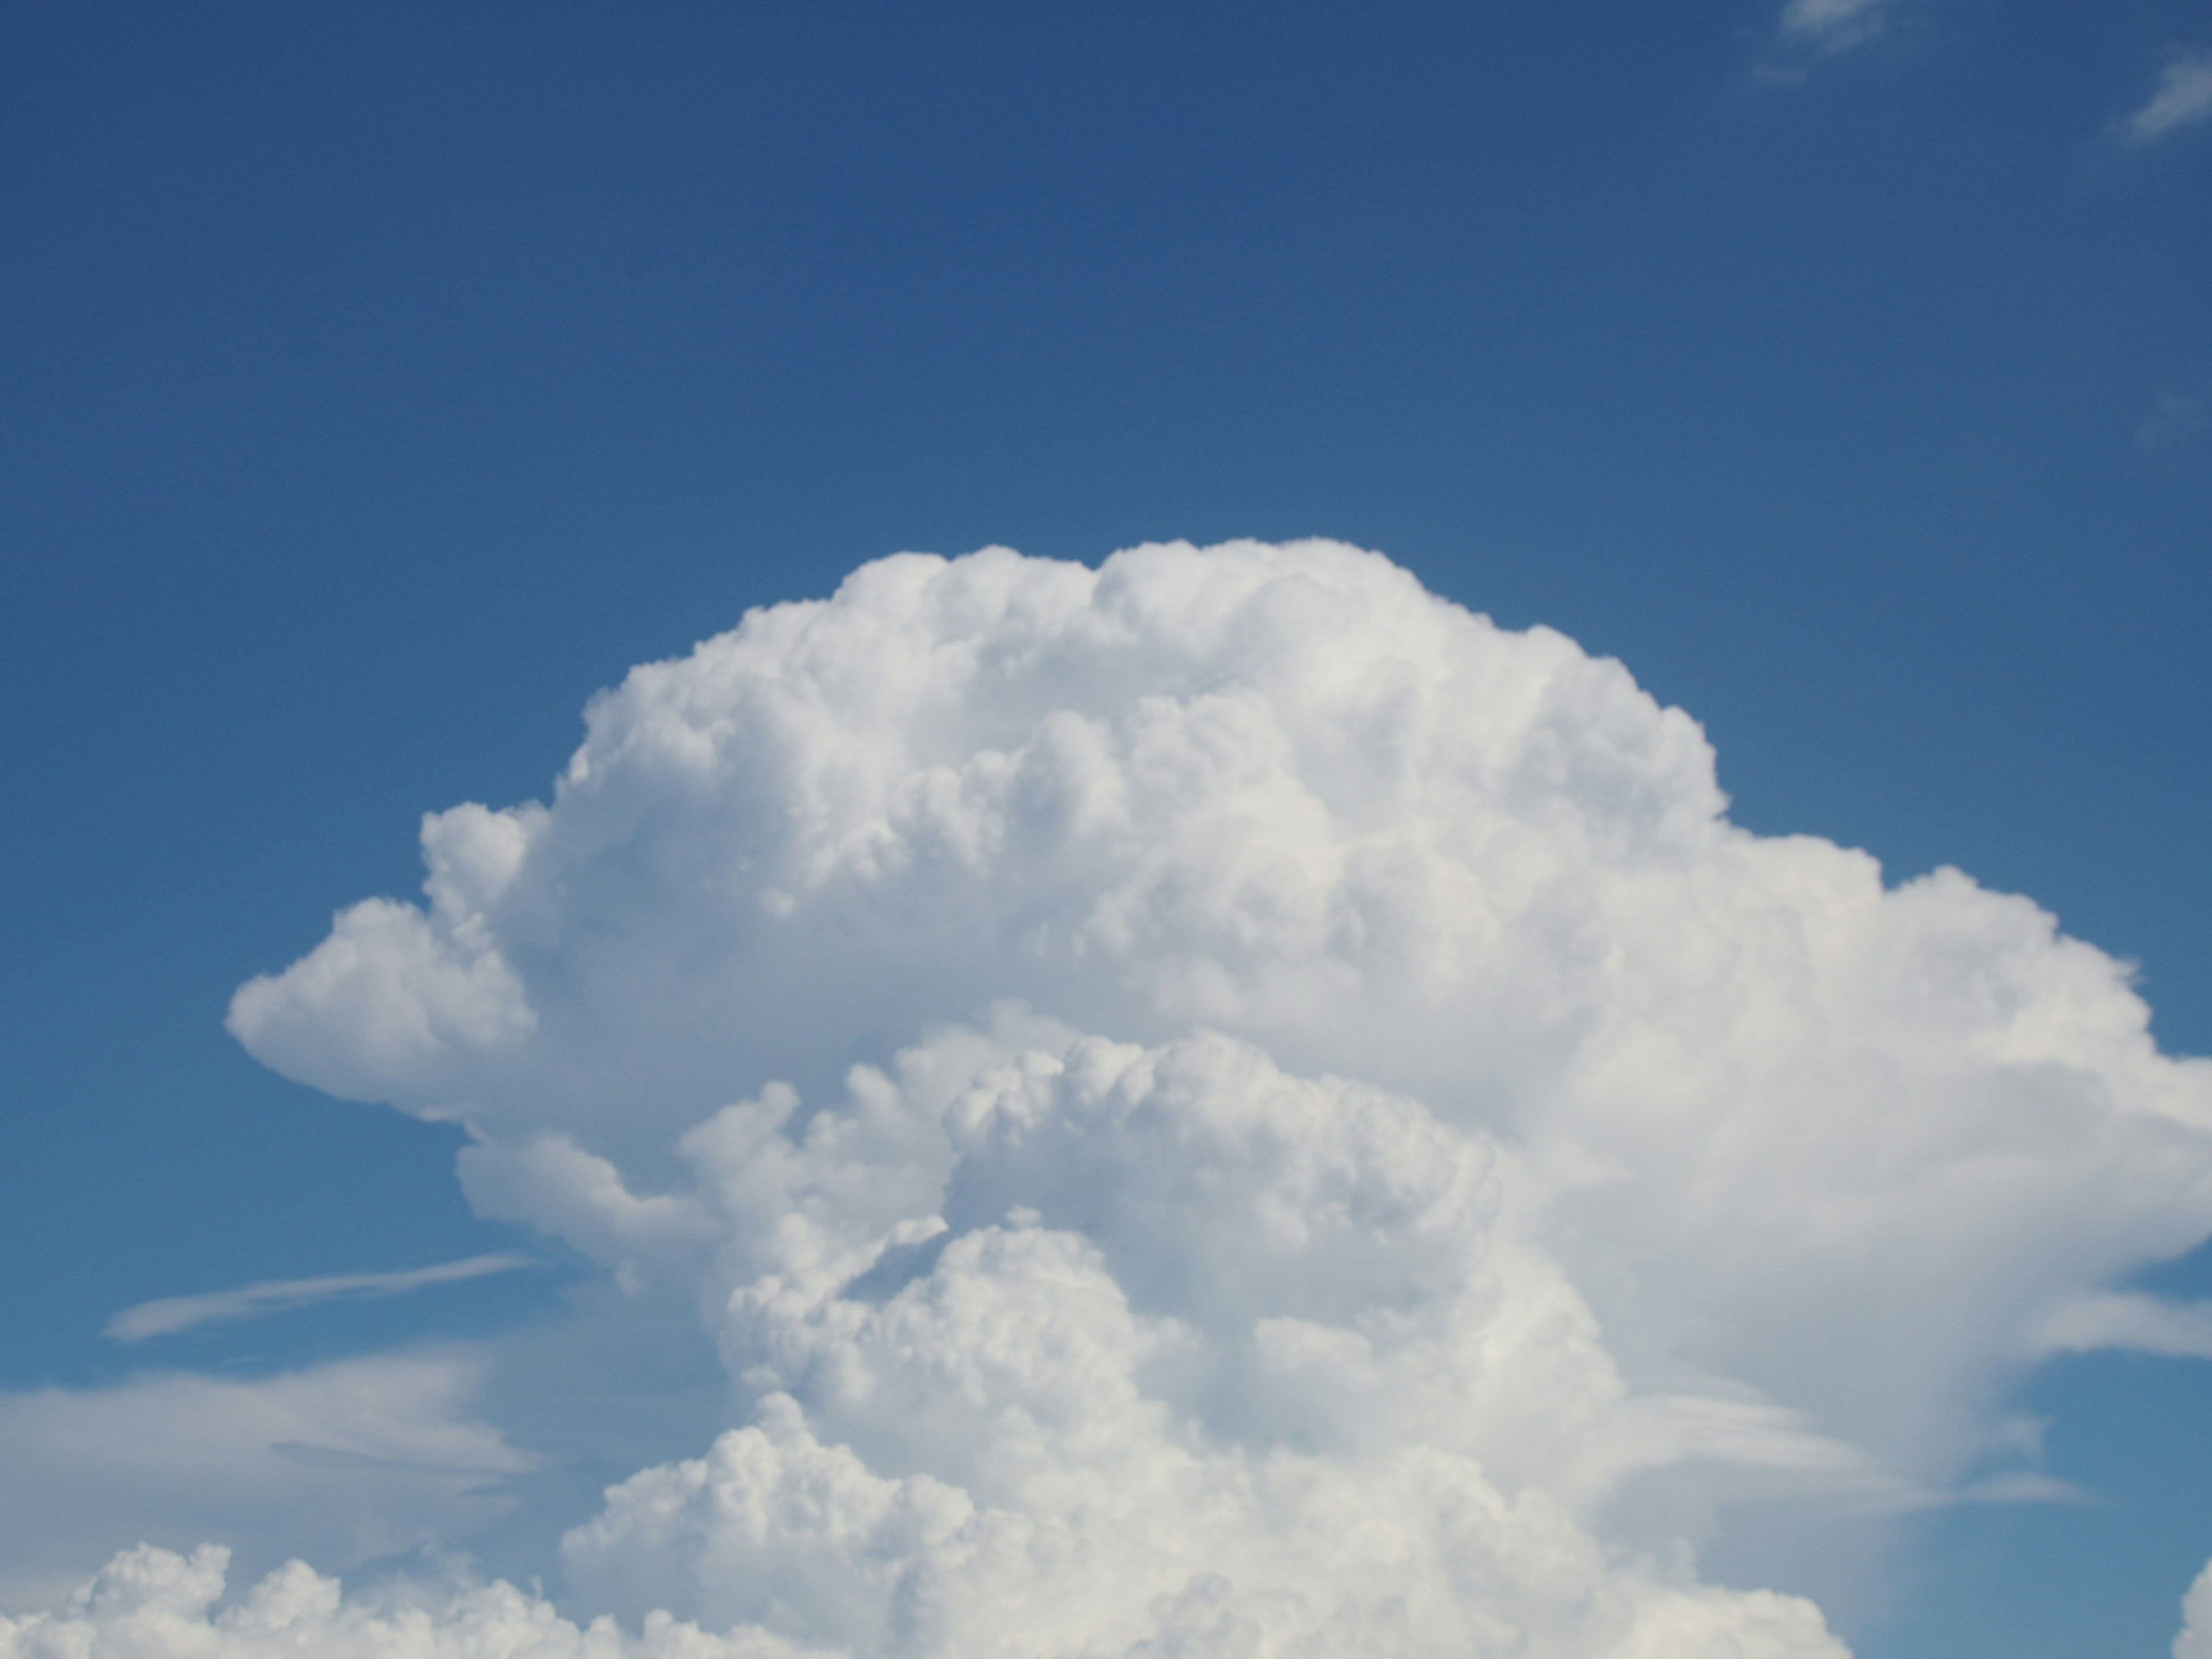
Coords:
1074,1346
169,1315
1271,1114
151,1603
2183,98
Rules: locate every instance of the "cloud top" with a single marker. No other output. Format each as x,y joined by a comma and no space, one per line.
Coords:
1238,787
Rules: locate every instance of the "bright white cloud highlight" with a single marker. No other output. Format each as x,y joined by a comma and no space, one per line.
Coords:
170,1315
1210,1349
1272,1116
2182,98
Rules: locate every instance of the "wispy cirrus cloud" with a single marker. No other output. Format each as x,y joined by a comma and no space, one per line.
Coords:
1833,25
2182,98
1811,32
173,1313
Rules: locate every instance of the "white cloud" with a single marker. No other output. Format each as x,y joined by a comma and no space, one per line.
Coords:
1832,26
345,1462
1426,1125
170,1315
2182,98
406,990
1247,1351
150,1603
1144,1549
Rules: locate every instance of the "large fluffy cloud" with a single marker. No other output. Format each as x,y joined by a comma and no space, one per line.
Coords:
1071,1346
1269,1110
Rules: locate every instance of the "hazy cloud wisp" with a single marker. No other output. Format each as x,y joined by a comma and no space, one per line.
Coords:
342,1462
1833,25
169,1315
2182,98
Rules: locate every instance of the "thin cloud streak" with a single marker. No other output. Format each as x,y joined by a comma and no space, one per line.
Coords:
170,1315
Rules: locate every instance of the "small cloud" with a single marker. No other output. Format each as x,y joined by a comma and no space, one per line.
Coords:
2182,98
171,1314
1813,31
2177,419
1832,26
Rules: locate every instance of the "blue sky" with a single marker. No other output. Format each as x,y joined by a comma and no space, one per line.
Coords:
382,382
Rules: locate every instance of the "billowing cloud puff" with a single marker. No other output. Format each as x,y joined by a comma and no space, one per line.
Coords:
151,1603
1267,1107
2195,1641
1088,1348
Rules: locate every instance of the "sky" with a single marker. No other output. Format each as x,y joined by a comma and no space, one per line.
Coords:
384,385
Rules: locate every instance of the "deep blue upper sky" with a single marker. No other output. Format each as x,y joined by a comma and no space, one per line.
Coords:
376,382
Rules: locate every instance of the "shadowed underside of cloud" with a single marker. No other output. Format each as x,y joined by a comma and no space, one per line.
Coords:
1271,1116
